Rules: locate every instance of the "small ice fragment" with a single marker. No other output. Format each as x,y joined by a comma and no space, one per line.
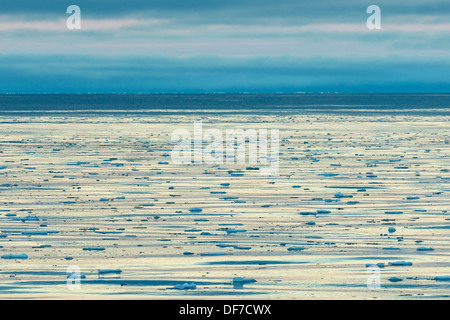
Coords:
442,278
296,248
42,246
395,279
93,249
400,263
196,209
209,254
379,265
341,195
108,271
221,245
425,249
235,230
238,282
29,218
328,174
394,212
305,213
35,232
22,256
185,286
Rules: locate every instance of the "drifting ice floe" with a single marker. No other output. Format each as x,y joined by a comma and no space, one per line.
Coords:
103,272
208,254
239,282
442,278
395,279
185,286
296,248
425,249
400,263
21,256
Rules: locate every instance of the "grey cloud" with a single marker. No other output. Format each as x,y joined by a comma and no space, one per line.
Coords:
232,11
82,74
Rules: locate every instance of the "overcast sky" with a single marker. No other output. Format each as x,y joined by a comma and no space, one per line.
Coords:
224,46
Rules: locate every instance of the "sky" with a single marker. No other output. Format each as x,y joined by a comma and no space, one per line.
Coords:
205,46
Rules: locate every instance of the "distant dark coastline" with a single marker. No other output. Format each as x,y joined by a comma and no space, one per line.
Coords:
230,102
